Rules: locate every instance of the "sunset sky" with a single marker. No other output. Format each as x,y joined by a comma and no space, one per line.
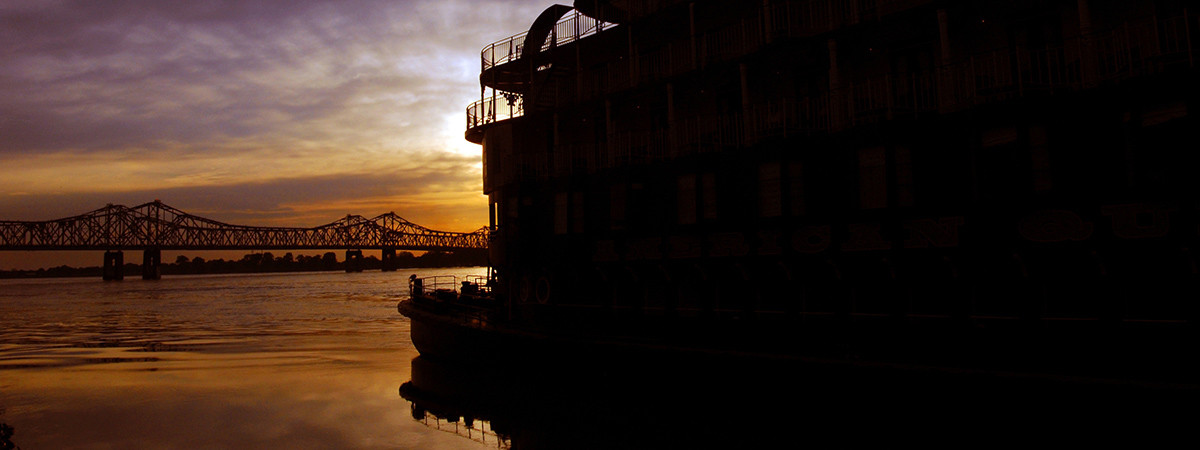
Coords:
268,112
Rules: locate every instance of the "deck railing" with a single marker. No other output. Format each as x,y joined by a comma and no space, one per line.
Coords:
984,78
494,109
431,285
572,27
448,283
1136,48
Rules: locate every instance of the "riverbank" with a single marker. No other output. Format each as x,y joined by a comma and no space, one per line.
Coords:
265,263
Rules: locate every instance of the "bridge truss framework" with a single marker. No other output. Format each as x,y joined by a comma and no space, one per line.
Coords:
153,227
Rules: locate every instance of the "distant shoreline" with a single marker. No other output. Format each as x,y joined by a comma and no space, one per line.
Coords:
263,263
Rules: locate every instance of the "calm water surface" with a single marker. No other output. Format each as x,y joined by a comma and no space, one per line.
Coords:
318,360
296,360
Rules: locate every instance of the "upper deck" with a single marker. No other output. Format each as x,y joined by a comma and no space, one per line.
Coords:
622,98
647,47
511,66
583,59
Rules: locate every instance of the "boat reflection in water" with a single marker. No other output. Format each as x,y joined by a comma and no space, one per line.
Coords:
447,399
724,401
6,432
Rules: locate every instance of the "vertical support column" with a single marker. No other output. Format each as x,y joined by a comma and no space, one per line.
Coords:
608,133
835,86
354,261
114,265
557,141
495,215
1130,131
672,129
492,216
1087,54
579,94
766,21
1039,152
1187,35
670,104
834,75
1085,18
944,35
151,262
692,30
633,60
747,121
946,96
388,259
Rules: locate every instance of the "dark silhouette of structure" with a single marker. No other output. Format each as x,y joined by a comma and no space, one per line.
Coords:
154,226
983,184
728,402
6,432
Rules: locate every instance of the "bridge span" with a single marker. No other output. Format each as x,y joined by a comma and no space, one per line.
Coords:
153,227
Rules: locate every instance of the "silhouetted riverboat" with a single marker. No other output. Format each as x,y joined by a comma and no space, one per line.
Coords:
981,185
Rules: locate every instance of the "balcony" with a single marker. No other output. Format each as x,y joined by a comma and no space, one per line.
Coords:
496,59
509,71
492,110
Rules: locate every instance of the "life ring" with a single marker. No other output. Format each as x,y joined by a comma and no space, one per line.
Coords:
542,290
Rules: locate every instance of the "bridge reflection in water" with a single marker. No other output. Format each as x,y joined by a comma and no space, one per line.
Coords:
153,227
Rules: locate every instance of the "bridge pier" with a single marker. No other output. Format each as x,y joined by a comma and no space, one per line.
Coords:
151,260
354,261
388,259
114,265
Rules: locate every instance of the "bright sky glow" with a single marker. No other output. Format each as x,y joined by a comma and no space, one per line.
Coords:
270,112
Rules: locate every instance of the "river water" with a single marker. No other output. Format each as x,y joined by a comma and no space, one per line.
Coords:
292,360
323,360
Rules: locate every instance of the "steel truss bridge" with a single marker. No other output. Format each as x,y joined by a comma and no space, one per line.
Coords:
153,227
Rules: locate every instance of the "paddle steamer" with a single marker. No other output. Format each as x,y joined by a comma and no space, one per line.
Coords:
1005,185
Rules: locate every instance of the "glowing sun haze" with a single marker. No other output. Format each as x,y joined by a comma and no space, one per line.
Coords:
268,112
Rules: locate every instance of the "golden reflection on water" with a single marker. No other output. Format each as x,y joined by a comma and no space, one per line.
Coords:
236,361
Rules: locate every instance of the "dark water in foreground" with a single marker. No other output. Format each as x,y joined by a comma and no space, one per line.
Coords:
323,360
297,360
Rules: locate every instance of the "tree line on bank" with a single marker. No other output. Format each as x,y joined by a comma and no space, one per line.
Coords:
266,262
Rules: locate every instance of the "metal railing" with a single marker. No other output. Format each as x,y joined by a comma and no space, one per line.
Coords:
573,27
1136,48
450,284
494,109
481,284
984,78
433,285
